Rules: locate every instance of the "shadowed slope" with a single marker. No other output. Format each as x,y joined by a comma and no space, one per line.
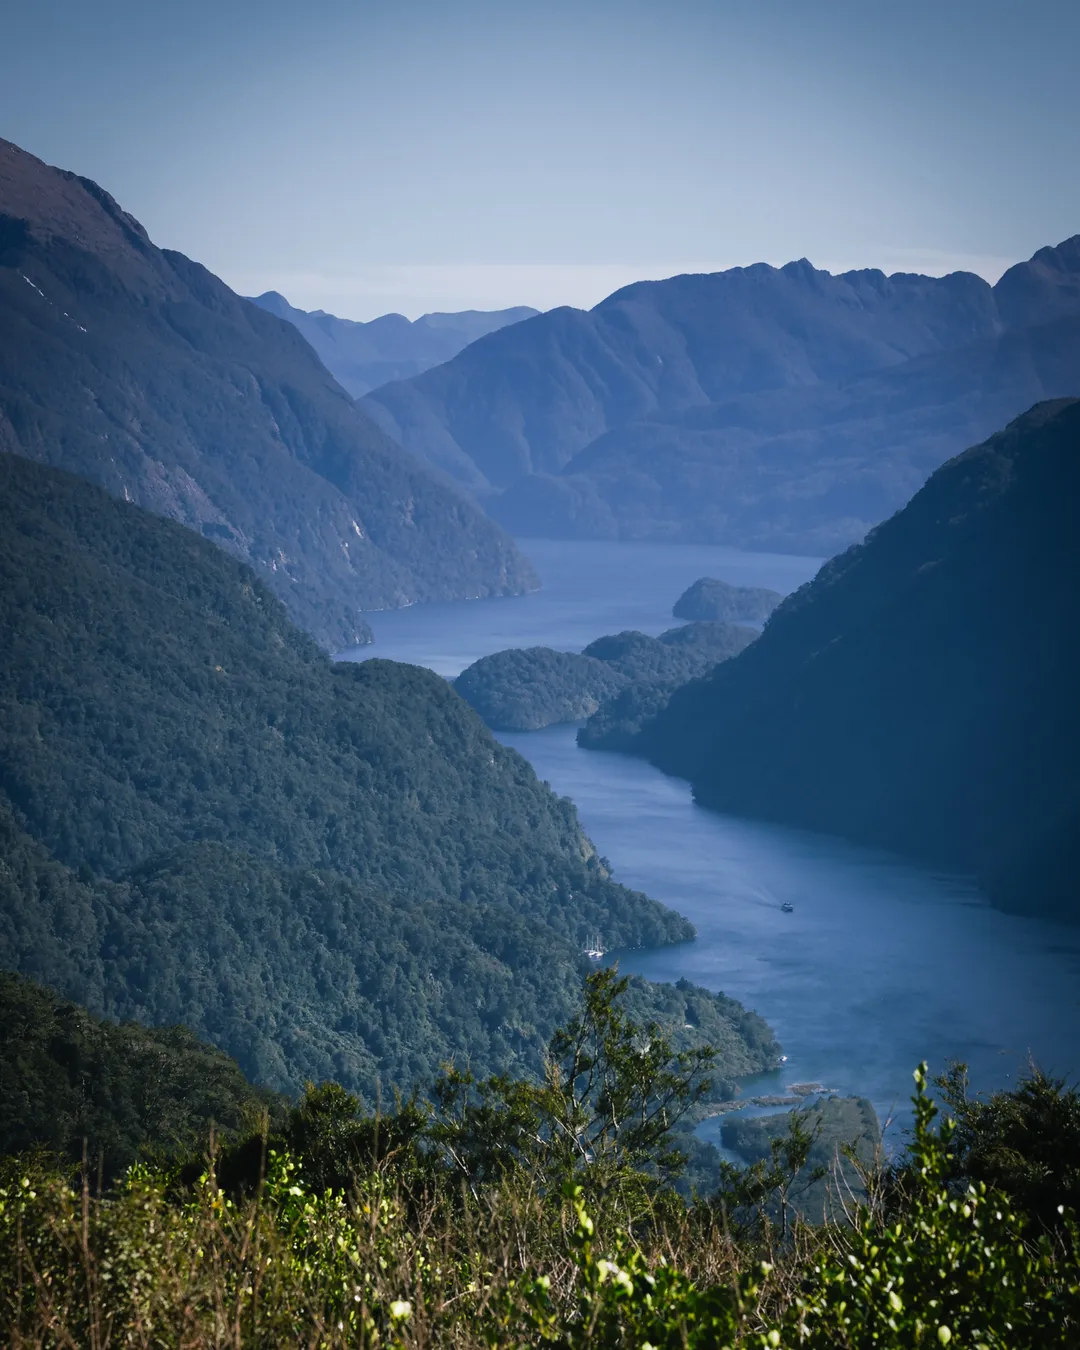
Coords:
138,369
920,692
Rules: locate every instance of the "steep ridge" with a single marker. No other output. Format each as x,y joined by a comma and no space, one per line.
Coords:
363,356
920,692
327,870
138,369
777,408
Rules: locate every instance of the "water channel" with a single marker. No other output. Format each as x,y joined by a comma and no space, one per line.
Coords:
880,964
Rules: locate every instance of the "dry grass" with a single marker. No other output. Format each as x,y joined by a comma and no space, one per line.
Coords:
145,1268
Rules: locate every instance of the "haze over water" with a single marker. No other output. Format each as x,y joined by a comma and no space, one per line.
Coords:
881,964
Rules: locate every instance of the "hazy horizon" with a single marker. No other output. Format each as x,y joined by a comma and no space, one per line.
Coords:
362,158
454,289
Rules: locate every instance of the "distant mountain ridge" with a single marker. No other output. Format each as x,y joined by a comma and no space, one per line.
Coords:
920,693
781,408
363,356
137,368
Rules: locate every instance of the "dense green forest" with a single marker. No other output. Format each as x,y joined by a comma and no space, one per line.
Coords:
617,724
71,1082
919,693
523,689
679,654
543,1211
330,871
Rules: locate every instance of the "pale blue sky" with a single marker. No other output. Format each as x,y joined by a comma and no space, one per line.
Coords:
451,153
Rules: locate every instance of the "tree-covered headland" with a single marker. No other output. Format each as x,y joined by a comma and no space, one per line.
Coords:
523,689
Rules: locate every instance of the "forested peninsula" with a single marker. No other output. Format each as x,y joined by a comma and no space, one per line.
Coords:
524,689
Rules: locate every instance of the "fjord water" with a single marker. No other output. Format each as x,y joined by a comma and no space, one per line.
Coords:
588,589
880,964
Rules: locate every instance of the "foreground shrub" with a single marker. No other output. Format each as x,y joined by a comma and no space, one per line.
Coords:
506,1264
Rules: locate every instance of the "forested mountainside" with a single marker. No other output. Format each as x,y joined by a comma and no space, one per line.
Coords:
362,356
69,1080
920,692
776,408
328,870
138,369
523,689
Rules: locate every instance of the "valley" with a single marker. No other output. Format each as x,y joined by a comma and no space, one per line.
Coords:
539,650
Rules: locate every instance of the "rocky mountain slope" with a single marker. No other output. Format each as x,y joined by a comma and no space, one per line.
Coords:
138,369
920,692
363,356
784,408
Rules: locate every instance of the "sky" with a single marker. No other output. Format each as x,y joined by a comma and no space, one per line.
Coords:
418,155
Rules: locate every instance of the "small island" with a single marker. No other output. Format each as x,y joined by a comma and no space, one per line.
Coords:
524,689
680,654
527,688
710,599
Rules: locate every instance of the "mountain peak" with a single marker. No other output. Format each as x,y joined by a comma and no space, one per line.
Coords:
1064,256
57,204
802,268
274,302
1044,288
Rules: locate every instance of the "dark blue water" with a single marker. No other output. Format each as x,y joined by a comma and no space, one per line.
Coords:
588,589
881,964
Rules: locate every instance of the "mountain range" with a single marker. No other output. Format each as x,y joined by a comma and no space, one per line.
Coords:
363,356
920,693
137,368
780,408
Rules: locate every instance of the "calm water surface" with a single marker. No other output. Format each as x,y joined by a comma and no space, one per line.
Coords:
589,589
881,963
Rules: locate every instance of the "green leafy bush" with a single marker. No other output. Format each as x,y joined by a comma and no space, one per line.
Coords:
355,1231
